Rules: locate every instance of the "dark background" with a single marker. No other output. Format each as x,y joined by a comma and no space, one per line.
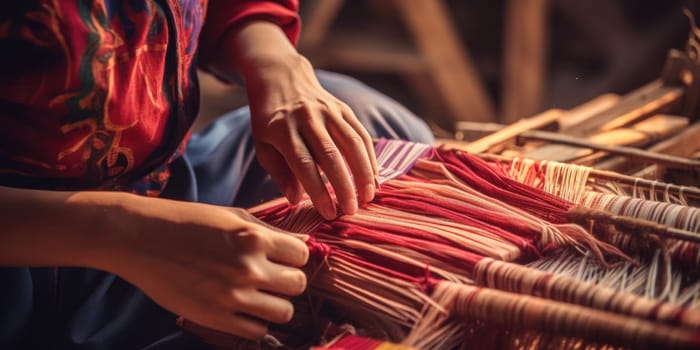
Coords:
593,47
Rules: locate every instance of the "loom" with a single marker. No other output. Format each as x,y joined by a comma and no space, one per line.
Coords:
570,230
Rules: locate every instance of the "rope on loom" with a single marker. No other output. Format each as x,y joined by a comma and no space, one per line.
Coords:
674,215
462,203
669,214
532,172
347,267
510,310
527,280
449,232
352,279
485,178
553,177
487,272
554,231
569,182
654,279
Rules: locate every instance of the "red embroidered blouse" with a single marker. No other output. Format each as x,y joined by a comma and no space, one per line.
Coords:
100,94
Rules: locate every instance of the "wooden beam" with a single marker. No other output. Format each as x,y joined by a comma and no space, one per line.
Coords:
511,131
456,78
626,151
682,145
363,50
317,22
525,52
649,99
640,134
588,109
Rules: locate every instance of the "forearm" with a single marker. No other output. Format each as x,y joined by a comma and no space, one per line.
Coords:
49,228
298,126
209,264
253,48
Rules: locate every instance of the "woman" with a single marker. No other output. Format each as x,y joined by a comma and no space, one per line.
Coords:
99,179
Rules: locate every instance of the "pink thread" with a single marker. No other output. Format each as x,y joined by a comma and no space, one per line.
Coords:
318,249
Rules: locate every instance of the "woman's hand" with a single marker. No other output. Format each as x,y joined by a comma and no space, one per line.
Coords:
218,267
301,131
299,128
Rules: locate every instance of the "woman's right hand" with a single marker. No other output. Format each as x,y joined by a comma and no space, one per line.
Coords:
216,266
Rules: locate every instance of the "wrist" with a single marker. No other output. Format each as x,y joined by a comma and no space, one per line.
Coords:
277,70
102,232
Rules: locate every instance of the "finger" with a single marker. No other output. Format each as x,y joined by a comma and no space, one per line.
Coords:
331,160
351,119
276,166
227,323
299,236
245,214
283,280
286,249
247,327
358,159
261,305
220,337
303,237
303,165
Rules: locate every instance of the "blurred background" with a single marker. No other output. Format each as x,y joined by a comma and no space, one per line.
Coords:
484,60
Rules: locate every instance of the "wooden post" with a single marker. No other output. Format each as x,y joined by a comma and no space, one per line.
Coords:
447,61
318,21
525,51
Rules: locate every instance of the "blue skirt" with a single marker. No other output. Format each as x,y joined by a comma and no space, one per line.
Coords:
77,308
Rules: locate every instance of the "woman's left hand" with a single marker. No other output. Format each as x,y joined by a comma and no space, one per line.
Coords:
302,132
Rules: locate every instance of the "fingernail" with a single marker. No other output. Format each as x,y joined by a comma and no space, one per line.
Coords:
350,206
291,195
328,212
367,194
